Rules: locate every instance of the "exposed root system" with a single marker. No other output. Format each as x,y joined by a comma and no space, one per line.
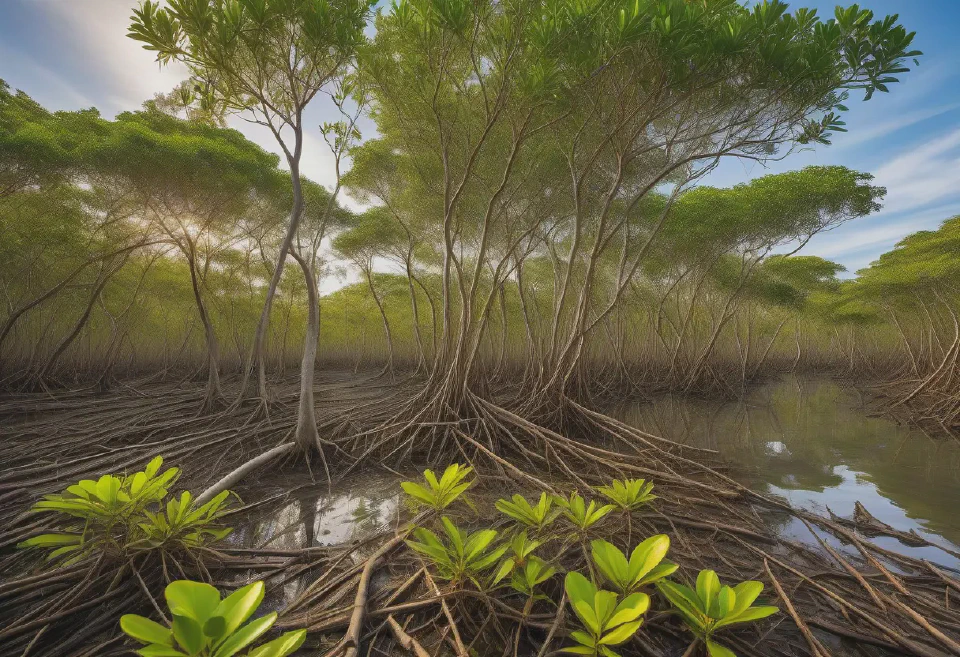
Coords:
839,591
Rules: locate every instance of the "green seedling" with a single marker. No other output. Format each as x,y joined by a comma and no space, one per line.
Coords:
206,626
712,607
438,494
607,620
463,556
536,517
645,566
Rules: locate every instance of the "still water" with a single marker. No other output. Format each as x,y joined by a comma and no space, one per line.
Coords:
819,445
810,441
313,515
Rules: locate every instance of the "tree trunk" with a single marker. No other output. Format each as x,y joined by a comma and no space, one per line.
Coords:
19,312
68,339
383,315
307,436
949,357
214,392
532,348
421,355
433,312
766,352
501,358
255,361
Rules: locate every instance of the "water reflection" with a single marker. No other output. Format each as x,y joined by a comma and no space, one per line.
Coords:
354,510
813,442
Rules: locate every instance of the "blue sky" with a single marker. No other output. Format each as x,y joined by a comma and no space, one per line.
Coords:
70,54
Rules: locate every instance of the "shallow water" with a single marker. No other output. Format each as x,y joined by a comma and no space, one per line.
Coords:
356,509
816,444
810,441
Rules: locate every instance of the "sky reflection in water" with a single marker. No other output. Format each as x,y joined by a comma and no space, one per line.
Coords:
814,443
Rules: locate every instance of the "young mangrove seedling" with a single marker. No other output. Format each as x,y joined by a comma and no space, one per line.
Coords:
206,626
439,494
532,574
628,494
712,607
521,548
536,517
645,566
579,513
608,621
102,513
463,556
179,525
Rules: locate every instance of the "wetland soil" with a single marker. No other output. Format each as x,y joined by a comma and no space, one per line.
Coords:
844,587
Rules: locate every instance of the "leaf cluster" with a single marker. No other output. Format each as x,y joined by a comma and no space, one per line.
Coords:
120,515
206,626
711,607
440,493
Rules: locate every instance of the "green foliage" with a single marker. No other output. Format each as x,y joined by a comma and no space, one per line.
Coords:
439,494
766,212
712,607
919,264
243,52
582,515
536,517
645,566
521,548
608,620
629,494
206,626
463,556
104,511
180,525
116,515
533,573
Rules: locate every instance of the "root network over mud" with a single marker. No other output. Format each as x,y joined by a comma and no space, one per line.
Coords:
378,594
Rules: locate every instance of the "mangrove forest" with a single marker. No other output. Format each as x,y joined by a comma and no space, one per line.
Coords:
516,378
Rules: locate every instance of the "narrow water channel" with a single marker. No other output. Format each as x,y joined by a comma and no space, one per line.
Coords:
817,444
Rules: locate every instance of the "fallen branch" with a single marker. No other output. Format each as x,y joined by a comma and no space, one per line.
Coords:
816,649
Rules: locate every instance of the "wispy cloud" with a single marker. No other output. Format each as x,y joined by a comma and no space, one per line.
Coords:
859,242
886,128
125,72
922,175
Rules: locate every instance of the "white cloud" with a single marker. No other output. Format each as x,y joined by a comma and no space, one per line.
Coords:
860,242
94,34
922,175
875,130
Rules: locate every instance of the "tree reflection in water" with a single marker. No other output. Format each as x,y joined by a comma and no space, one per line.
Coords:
815,442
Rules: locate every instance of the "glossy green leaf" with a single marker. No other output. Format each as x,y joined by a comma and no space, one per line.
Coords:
145,630
237,607
195,600
245,635
158,650
620,634
708,585
281,647
188,633
717,650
